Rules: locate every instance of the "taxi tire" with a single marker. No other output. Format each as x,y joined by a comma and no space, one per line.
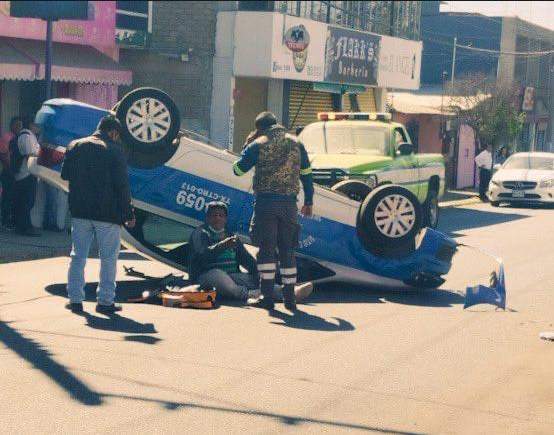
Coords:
354,189
431,201
134,143
372,238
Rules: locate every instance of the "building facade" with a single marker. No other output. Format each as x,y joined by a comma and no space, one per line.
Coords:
531,75
84,65
298,58
170,45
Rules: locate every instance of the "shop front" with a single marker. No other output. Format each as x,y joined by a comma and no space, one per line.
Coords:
84,64
298,67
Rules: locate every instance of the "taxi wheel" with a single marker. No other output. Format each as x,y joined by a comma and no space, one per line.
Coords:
388,221
150,119
431,209
353,189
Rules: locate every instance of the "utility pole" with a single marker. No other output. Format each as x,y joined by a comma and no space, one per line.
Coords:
48,59
453,66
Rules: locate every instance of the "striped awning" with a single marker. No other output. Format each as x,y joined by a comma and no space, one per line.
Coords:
14,65
70,63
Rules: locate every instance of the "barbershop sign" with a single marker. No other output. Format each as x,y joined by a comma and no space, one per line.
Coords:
301,49
351,57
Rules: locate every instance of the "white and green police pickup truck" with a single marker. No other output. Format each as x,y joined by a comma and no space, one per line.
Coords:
353,153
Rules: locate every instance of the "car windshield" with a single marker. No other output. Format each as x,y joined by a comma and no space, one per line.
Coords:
530,162
359,139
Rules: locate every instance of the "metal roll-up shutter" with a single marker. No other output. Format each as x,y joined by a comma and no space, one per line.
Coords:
305,103
366,101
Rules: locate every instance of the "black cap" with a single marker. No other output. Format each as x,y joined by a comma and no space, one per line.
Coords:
264,120
213,205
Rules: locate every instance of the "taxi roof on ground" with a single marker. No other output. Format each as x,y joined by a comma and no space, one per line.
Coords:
354,116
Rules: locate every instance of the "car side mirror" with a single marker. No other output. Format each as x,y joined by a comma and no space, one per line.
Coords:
496,167
405,149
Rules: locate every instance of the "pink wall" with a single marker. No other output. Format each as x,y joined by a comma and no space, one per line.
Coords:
98,32
429,131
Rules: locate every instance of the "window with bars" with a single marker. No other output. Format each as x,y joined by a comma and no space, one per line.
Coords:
371,16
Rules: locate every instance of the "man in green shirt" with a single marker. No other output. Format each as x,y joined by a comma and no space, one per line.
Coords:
216,257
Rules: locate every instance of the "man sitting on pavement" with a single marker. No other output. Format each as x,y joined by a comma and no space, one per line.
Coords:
216,256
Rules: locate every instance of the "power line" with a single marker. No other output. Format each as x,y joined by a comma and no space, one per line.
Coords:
495,52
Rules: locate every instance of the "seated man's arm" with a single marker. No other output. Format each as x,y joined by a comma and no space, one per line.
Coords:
201,251
247,160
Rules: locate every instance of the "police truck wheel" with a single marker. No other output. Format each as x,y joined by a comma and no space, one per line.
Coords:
353,189
388,221
150,119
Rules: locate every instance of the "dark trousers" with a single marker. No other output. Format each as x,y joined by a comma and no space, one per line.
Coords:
274,227
24,200
8,184
484,180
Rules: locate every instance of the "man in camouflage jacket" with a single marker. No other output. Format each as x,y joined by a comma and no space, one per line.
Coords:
280,163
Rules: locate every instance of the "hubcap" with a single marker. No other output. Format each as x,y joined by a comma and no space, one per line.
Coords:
395,216
148,120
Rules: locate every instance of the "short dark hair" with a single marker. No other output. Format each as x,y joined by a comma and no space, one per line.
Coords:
214,205
109,123
264,120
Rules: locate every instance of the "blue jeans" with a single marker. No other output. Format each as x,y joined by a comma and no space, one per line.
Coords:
108,239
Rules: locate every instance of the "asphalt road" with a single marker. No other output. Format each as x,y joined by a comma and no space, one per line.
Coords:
353,360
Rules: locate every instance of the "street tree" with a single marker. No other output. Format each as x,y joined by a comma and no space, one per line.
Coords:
491,109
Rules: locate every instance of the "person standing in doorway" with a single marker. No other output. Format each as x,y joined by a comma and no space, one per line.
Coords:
484,162
280,163
8,181
99,202
23,146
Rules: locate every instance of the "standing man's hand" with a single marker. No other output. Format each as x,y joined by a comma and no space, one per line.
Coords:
307,210
131,224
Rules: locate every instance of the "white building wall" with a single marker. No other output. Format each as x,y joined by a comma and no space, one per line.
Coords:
221,115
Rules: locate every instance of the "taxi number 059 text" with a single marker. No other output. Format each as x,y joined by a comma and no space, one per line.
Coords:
197,198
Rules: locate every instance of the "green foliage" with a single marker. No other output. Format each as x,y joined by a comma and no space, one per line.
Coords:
491,111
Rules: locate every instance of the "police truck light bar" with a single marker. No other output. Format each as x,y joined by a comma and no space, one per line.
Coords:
354,116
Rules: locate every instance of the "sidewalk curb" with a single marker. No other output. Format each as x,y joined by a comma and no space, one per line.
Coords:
459,202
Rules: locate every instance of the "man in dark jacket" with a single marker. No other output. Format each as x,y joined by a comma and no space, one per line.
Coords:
216,256
99,202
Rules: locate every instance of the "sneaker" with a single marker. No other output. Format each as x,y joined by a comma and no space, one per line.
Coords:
75,307
302,291
261,302
108,309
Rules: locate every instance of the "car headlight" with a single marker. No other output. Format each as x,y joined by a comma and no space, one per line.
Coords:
547,183
495,183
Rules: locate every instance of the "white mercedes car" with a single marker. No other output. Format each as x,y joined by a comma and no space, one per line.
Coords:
524,177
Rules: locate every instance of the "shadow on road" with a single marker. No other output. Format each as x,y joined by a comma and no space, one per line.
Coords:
118,323
125,290
303,320
39,358
337,292
459,219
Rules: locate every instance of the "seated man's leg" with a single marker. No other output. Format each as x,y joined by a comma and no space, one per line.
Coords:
224,284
